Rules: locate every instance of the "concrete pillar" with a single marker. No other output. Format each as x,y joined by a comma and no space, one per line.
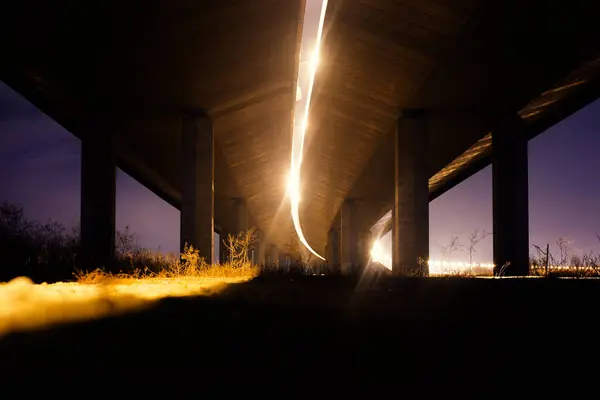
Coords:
260,245
510,200
241,210
333,248
349,237
224,256
98,189
197,205
217,247
273,256
410,214
365,244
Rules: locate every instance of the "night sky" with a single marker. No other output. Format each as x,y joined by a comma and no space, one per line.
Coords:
40,170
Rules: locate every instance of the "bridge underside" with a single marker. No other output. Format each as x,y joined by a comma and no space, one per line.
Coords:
134,68
471,65
581,87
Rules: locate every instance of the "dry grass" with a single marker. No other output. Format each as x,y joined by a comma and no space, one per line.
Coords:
566,271
564,264
190,265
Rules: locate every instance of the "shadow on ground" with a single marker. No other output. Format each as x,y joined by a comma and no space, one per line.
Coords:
323,328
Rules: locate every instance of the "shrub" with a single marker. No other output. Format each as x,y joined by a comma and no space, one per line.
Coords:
43,252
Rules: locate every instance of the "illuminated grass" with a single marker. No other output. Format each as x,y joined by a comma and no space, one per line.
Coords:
227,270
189,265
585,271
25,305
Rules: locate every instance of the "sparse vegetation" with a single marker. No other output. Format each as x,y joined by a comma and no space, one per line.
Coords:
463,270
542,263
48,253
545,263
300,261
471,247
188,265
452,247
43,252
474,238
193,267
239,246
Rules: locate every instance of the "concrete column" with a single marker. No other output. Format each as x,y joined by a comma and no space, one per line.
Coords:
261,246
197,206
333,247
349,237
334,243
241,210
365,244
98,189
223,247
510,200
410,214
217,248
273,256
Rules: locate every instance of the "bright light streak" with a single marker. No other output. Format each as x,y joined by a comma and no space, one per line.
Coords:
293,187
314,60
298,141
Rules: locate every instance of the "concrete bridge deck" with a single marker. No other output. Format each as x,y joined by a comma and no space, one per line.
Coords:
473,71
471,65
133,69
135,72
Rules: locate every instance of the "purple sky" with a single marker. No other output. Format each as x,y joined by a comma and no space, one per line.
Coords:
40,169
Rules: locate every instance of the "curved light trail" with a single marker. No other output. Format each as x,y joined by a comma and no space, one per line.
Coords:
298,140
378,252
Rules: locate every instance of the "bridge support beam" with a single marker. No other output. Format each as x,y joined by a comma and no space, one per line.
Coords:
98,190
333,247
197,205
410,214
349,236
510,200
260,248
333,244
241,210
364,245
224,251
273,259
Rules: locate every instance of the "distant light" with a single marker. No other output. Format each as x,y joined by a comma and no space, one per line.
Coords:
378,254
436,267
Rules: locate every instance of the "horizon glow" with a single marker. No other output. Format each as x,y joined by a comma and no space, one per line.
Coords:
381,256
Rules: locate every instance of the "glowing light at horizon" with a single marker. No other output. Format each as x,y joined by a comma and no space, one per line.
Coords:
298,140
383,257
378,254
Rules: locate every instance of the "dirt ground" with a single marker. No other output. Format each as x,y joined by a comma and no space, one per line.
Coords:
320,328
